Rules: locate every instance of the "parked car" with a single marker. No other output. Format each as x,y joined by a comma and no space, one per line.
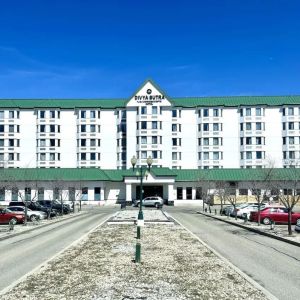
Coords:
35,206
7,216
276,214
248,209
54,204
297,226
31,214
150,201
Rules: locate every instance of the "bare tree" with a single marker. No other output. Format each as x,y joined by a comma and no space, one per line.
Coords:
262,186
221,191
206,183
289,194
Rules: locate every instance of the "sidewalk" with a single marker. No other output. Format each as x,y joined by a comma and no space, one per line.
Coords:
175,265
280,232
5,233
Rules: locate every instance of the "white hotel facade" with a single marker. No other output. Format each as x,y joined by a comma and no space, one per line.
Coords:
178,133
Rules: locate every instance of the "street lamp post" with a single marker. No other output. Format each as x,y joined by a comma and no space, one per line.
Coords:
140,221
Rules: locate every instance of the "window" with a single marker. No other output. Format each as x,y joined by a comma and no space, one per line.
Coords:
243,192
11,128
154,124
205,112
10,142
93,156
283,126
92,114
83,114
1,114
174,127
258,111
11,114
82,156
241,127
248,112
143,154
189,193
241,112
216,155
1,142
215,141
143,110
97,193
143,140
71,194
42,143
216,112
154,140
248,140
198,193
14,194
154,110
52,142
258,140
52,114
52,156
248,155
248,126
83,142
42,156
27,194
291,125
291,140
205,127
154,155
93,142
84,195
258,154
258,126
82,128
2,194
92,128
179,193
216,127
174,113
144,125
291,154
174,155
205,155
291,111
52,128
284,140
206,141
11,156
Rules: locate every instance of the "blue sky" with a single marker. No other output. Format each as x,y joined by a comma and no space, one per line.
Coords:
106,49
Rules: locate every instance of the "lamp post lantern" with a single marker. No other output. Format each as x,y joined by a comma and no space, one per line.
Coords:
141,172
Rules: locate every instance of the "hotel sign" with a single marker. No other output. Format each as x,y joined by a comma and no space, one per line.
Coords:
149,98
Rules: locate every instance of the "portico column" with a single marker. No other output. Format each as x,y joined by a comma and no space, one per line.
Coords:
128,192
171,195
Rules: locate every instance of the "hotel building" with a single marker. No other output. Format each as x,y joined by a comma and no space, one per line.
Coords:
182,135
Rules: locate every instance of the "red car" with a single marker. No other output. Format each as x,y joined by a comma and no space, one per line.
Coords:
277,214
6,216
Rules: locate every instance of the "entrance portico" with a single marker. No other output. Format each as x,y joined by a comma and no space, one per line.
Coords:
153,185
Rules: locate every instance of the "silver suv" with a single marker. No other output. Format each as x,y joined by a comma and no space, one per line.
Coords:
151,201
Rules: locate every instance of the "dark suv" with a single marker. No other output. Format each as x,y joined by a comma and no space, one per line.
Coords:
34,205
55,205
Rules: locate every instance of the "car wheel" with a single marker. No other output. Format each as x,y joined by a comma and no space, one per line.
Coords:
33,218
157,205
13,221
266,221
298,222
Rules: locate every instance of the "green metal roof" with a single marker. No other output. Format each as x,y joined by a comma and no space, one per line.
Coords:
66,174
188,175
187,102
236,174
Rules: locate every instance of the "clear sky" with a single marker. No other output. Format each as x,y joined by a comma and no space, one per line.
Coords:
106,49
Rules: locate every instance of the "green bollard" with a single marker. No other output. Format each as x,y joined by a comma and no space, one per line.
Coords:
138,232
138,252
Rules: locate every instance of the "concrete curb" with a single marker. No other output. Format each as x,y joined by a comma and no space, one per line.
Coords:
269,295
21,279
39,226
253,230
